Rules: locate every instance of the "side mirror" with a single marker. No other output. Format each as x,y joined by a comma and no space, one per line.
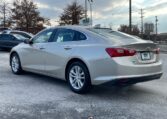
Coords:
28,41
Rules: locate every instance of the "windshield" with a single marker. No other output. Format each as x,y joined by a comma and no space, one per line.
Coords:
115,36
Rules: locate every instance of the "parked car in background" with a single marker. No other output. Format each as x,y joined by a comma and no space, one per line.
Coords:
2,29
8,41
88,56
23,33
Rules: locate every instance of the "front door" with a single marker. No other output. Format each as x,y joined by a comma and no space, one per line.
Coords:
34,54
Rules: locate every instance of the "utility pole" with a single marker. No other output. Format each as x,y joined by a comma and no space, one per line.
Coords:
86,9
142,16
4,15
91,14
130,16
156,25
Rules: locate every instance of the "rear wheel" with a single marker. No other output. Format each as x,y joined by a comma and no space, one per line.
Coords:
78,78
15,64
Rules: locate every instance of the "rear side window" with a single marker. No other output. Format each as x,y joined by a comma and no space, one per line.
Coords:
23,34
80,36
19,37
64,35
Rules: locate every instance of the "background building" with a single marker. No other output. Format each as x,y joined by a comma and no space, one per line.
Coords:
148,28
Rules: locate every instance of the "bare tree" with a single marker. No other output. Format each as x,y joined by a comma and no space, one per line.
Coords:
72,14
125,29
5,12
26,15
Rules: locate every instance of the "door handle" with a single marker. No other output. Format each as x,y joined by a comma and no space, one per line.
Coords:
67,48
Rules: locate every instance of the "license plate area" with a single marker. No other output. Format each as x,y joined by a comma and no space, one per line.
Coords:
145,56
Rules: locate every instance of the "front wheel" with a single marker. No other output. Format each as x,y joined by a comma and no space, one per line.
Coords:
78,78
15,64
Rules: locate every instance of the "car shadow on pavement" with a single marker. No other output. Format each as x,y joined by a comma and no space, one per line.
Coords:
97,91
136,91
46,79
125,92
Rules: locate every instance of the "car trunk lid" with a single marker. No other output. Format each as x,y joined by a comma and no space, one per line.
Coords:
145,52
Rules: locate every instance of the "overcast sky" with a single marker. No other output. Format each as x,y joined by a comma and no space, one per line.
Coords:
113,12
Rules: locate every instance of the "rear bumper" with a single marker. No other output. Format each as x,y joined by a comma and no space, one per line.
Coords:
134,80
122,68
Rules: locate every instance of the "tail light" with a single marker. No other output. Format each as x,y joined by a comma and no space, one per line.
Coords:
157,51
120,52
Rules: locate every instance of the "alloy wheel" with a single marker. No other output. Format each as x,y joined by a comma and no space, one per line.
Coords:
77,77
15,63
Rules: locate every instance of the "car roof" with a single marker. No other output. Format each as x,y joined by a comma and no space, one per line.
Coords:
79,28
74,27
16,31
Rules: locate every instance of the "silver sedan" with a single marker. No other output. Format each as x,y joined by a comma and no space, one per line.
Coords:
88,56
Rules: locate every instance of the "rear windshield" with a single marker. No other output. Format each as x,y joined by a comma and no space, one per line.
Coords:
19,37
27,35
115,36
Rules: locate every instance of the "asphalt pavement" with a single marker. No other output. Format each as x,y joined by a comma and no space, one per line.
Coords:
31,96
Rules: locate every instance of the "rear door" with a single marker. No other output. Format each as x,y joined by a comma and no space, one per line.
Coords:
59,50
7,41
1,41
14,41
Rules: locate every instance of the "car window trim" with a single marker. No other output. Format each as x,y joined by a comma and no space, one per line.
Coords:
53,34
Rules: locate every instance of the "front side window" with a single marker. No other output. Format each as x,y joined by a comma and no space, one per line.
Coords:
43,37
64,35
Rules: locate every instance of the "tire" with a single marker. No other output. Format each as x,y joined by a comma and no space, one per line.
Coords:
78,78
15,64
